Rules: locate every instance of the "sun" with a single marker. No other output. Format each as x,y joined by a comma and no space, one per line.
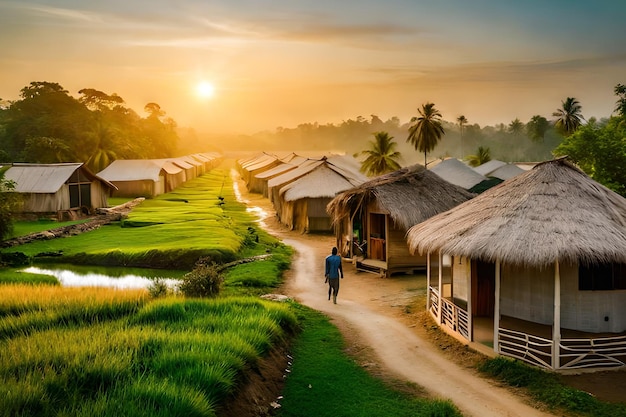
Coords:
205,89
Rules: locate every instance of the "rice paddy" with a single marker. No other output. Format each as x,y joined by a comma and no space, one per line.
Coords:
94,351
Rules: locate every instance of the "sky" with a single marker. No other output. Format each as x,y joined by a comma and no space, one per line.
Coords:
282,63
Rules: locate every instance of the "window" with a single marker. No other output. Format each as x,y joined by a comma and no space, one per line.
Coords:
602,277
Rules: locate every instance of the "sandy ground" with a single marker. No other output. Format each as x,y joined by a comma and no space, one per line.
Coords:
366,309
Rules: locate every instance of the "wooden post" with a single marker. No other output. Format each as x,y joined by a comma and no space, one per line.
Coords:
496,310
556,327
468,276
428,281
440,288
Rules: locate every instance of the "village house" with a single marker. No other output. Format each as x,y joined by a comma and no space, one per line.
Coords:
371,220
535,267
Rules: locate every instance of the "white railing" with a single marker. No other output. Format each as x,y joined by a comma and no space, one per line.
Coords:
526,347
588,353
602,352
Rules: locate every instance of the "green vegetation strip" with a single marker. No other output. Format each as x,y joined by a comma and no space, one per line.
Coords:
326,382
86,352
170,231
547,388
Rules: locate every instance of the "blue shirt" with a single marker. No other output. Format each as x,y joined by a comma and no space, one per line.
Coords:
333,267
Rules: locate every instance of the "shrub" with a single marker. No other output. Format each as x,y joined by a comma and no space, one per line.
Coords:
204,281
158,288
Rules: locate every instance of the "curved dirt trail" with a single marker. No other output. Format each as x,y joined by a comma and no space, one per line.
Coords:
365,306
397,347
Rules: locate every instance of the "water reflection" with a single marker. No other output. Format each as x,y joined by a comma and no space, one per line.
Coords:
258,211
69,278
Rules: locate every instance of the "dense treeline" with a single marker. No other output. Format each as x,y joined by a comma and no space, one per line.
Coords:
48,125
353,136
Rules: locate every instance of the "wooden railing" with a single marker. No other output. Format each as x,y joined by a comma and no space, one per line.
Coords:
434,302
455,318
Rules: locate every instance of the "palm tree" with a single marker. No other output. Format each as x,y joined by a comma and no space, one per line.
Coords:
462,122
516,127
426,130
482,156
382,156
569,117
537,128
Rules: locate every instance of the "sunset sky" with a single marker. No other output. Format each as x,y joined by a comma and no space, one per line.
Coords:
282,63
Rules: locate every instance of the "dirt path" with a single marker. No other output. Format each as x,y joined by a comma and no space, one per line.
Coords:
365,310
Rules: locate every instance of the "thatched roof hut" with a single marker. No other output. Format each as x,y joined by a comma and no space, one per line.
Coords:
541,255
384,208
410,195
553,212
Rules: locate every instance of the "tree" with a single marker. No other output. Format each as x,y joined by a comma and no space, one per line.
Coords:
482,156
426,130
462,122
382,156
598,149
97,100
537,128
569,117
620,105
9,201
516,127
46,110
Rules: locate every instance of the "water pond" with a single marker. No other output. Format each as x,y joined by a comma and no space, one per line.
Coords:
120,278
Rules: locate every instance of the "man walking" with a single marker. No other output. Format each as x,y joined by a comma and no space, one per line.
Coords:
332,274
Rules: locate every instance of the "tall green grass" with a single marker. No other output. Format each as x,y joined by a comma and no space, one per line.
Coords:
89,351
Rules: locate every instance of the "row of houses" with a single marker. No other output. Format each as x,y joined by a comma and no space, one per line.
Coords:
534,266
71,189
301,187
530,260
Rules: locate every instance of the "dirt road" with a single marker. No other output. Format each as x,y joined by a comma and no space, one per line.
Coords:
365,310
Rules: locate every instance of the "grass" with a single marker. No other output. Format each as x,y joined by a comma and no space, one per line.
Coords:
23,228
171,231
324,381
546,388
67,351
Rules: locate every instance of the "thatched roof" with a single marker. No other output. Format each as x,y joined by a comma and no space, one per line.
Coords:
551,212
457,173
410,195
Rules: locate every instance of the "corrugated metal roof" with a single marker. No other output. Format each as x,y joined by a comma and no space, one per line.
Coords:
132,170
457,173
40,178
303,169
488,167
321,182
277,170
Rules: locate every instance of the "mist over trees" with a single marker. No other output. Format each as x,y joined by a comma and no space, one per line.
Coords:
48,125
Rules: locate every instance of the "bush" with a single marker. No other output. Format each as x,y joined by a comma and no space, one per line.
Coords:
204,281
158,288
